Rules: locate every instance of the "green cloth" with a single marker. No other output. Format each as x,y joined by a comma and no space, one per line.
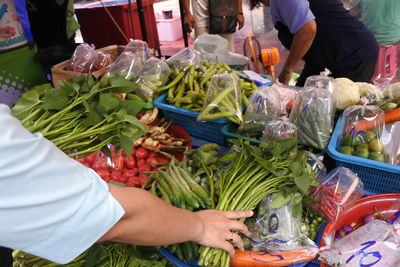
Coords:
72,24
382,17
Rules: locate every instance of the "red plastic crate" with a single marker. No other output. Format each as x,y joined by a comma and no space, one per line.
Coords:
98,28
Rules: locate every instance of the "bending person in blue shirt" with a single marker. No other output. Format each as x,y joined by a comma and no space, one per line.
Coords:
325,35
54,207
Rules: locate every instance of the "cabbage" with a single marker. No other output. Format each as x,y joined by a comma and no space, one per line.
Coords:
393,92
347,93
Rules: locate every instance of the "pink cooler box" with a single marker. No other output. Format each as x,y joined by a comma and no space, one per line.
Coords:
169,29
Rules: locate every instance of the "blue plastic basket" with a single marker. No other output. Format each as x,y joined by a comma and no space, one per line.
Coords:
378,177
210,130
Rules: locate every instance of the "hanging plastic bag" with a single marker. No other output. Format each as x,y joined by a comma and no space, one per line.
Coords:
373,244
313,114
322,81
361,133
337,193
127,66
223,99
391,141
281,129
84,59
264,106
287,95
276,231
139,48
184,59
153,75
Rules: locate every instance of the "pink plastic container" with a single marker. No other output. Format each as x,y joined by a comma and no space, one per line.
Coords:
169,30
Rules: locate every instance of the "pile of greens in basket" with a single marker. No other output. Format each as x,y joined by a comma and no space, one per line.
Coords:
83,116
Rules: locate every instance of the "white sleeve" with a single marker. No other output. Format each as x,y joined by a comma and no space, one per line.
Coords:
50,205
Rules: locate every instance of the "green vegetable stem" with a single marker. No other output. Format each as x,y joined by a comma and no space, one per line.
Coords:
83,116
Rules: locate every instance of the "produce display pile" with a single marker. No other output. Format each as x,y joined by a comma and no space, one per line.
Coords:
111,126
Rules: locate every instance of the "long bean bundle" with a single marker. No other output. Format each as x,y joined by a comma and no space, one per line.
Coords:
253,173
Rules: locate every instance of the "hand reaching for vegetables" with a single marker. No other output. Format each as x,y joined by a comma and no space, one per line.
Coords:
217,227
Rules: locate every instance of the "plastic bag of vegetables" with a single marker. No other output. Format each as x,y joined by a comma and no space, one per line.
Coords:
264,106
127,66
152,76
337,192
281,129
223,99
184,59
139,48
361,133
84,59
277,229
313,114
391,141
287,95
322,81
373,244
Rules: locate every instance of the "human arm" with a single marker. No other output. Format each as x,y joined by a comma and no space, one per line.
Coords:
301,43
190,20
150,221
240,17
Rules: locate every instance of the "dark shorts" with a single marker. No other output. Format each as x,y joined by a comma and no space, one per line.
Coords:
5,257
360,72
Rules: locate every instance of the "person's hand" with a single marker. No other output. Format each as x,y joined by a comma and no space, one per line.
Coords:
217,227
190,22
285,76
240,20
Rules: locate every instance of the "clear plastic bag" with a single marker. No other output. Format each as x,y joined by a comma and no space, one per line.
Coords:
235,61
127,66
153,75
373,244
223,99
103,60
184,59
264,106
337,193
361,133
391,141
281,129
84,59
316,165
287,95
322,81
139,48
211,43
277,230
313,114
370,91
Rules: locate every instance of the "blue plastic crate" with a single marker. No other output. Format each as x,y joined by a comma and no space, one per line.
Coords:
210,130
378,177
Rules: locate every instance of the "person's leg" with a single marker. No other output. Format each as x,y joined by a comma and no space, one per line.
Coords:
361,72
308,70
200,30
231,40
6,257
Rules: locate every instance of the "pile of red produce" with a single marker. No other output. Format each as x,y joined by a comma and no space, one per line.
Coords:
131,171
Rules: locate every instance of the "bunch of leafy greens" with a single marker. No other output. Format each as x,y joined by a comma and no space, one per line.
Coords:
83,116
249,173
